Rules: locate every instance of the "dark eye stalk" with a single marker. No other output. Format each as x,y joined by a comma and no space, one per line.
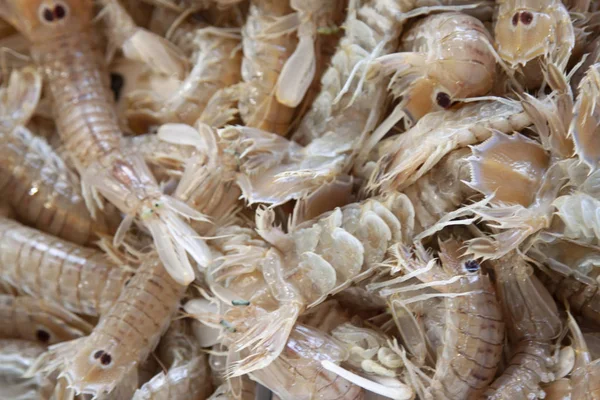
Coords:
56,14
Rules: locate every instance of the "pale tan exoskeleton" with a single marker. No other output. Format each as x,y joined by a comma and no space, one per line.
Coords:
267,44
16,356
533,324
217,66
123,338
300,268
404,158
139,44
474,328
299,372
188,373
38,320
586,116
299,71
81,279
87,123
371,30
526,30
36,182
585,376
445,58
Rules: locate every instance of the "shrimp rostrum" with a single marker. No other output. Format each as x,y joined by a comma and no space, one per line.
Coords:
60,35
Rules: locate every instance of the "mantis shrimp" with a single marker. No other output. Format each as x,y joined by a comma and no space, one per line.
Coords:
123,338
446,57
59,32
266,47
474,329
83,280
302,267
528,29
533,323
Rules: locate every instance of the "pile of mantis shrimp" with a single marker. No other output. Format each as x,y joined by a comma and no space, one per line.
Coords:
299,199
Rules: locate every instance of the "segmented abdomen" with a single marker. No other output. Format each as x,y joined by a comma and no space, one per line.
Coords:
142,313
43,191
265,54
582,294
474,336
83,102
81,279
441,190
521,379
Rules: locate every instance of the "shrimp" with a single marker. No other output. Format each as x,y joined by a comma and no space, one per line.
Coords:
528,29
446,57
39,186
217,66
474,330
83,280
371,30
533,323
208,181
16,356
88,125
123,338
140,44
298,372
45,193
446,184
300,268
399,165
586,116
266,46
187,377
40,321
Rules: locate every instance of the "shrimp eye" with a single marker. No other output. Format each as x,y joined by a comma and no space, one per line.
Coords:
443,100
47,14
105,359
98,354
515,19
472,266
59,11
526,17
42,335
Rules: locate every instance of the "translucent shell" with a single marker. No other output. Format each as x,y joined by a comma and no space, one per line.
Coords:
508,167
